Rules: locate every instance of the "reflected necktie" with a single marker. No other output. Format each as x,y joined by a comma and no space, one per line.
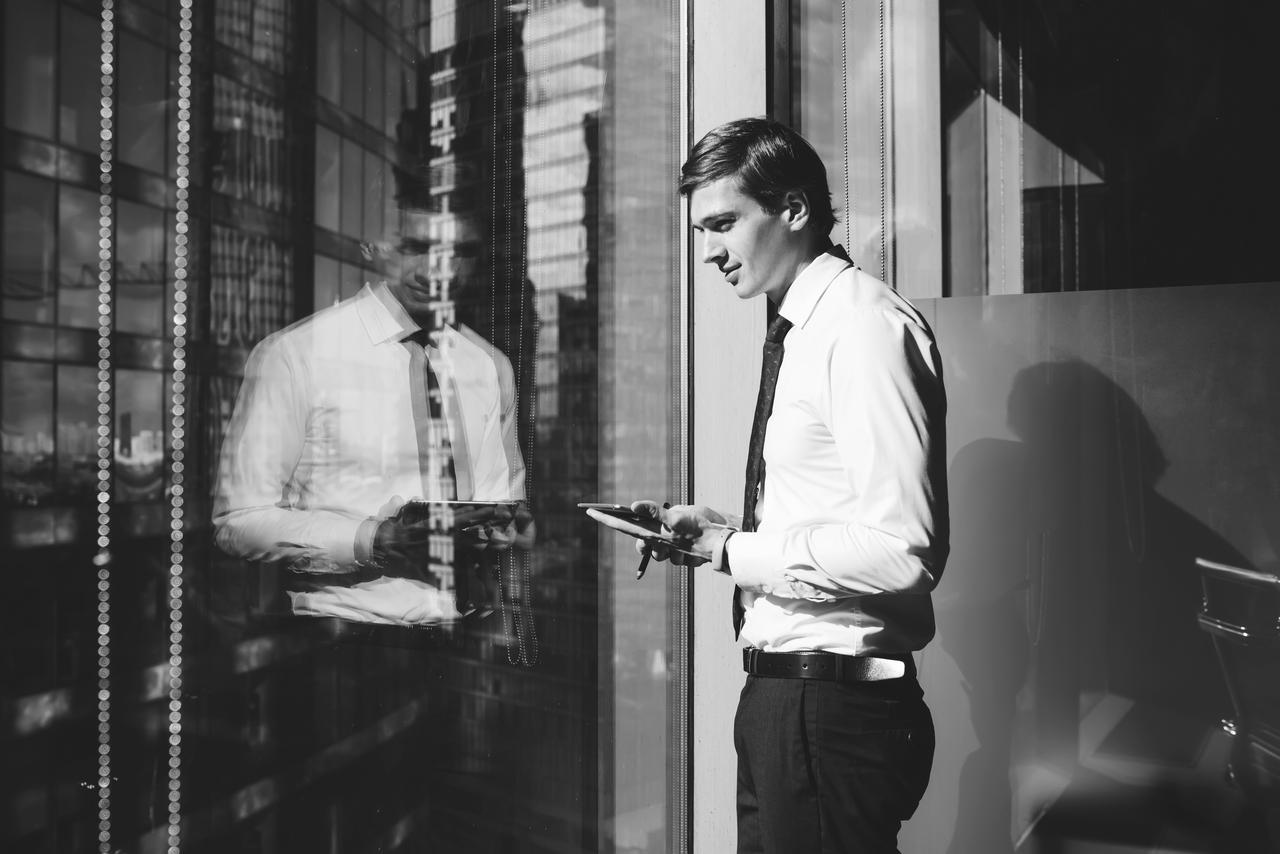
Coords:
436,455
769,368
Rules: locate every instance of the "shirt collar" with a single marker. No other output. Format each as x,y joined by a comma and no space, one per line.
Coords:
383,317
805,292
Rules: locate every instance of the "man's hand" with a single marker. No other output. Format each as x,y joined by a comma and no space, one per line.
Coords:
401,546
496,527
701,527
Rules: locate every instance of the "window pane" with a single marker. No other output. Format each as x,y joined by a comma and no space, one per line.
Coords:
376,177
374,65
142,103
29,58
77,258
352,209
326,282
329,52
29,277
1098,171
80,86
139,440
352,66
28,433
394,83
140,268
351,279
77,445
328,178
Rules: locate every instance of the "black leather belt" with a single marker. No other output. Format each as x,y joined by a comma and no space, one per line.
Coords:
825,665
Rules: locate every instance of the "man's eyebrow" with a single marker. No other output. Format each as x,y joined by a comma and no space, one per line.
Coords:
712,217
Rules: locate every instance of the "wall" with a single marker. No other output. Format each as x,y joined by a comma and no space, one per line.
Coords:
1098,443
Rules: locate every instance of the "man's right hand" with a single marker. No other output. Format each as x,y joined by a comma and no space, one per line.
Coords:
401,546
700,525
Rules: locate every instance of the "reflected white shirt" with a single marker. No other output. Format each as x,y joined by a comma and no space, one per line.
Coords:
852,521
324,431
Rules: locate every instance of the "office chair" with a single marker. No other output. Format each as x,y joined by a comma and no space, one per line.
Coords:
1240,611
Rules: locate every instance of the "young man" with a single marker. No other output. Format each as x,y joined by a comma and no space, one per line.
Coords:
844,532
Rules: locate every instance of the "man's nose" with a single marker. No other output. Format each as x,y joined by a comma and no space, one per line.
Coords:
712,249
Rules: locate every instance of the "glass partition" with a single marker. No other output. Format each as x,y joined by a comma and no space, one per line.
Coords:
319,321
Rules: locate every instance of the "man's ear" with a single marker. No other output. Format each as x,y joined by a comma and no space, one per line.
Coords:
797,210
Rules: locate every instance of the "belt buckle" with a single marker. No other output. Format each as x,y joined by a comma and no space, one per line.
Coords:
750,656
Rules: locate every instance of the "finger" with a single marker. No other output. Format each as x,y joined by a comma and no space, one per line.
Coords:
647,508
683,520
501,537
659,551
391,507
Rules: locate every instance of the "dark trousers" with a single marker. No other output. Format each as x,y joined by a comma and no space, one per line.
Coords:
829,767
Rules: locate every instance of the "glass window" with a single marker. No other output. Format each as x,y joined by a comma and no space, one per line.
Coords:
351,279
142,103
77,445
394,72
377,175
1109,162
78,224
351,210
138,475
28,470
29,223
140,268
329,52
29,66
374,64
328,178
326,289
353,64
509,685
79,83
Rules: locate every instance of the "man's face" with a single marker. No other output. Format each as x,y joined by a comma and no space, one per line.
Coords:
407,279
402,258
756,251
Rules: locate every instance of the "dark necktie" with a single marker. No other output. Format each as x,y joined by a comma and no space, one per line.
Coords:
435,456
769,368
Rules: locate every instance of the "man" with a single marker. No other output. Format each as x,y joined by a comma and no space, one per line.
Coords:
343,416
844,533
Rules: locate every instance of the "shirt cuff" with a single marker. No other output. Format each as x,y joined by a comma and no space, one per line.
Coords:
363,546
752,568
757,563
720,553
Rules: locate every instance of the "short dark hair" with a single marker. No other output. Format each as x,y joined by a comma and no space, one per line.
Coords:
769,160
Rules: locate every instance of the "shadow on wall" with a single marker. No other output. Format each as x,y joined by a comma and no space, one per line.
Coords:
1069,607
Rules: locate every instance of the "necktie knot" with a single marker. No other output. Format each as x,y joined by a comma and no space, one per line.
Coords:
778,330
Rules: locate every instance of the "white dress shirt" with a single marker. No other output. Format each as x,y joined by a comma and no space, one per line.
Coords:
324,431
852,521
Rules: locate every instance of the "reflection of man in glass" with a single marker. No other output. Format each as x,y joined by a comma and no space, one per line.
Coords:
344,415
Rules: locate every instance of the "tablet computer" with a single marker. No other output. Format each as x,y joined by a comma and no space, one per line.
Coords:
621,518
